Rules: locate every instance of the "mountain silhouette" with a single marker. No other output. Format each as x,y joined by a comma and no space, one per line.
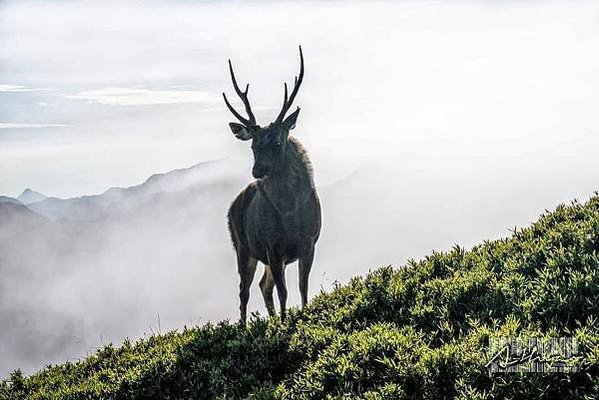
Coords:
30,196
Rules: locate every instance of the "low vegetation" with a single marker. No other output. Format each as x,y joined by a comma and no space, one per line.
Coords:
419,331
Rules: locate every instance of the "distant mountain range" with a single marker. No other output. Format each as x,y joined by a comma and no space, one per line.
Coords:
30,196
12,200
96,207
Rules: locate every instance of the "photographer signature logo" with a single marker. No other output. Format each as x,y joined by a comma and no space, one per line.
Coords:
509,354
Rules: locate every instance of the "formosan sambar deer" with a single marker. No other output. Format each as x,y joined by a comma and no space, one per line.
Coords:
276,219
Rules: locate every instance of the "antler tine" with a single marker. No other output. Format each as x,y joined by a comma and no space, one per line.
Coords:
244,98
297,83
235,113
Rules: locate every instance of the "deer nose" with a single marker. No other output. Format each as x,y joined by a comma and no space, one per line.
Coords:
258,171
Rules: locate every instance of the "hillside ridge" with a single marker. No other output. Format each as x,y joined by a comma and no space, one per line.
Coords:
420,331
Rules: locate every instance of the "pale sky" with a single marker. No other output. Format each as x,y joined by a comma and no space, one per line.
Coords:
96,95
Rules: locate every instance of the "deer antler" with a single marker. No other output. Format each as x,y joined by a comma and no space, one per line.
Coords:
298,81
244,97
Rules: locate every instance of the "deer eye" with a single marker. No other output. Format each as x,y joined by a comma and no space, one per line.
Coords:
277,144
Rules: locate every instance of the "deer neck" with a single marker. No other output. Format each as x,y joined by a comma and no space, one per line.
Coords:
287,189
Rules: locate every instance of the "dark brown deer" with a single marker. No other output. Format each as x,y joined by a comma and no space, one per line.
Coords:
276,218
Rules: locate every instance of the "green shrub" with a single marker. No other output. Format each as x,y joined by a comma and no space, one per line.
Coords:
419,331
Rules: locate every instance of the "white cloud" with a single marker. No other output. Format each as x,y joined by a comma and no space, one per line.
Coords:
14,88
9,88
239,105
116,96
16,125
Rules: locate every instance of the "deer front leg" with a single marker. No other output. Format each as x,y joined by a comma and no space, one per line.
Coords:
246,267
267,284
277,267
305,265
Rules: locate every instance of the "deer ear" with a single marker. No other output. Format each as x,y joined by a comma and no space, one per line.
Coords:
289,122
241,132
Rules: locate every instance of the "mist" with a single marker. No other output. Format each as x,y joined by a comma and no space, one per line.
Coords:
428,125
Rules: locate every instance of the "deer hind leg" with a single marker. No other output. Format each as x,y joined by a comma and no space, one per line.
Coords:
246,267
267,284
277,268
305,265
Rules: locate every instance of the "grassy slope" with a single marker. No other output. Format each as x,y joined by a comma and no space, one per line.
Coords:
414,332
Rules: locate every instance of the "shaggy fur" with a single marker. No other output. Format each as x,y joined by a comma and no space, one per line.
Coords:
276,220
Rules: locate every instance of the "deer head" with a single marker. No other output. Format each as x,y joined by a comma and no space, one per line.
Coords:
269,143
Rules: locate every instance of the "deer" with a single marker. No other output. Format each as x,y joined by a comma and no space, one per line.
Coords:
276,219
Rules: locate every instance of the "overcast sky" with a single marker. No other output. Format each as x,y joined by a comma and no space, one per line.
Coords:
96,95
